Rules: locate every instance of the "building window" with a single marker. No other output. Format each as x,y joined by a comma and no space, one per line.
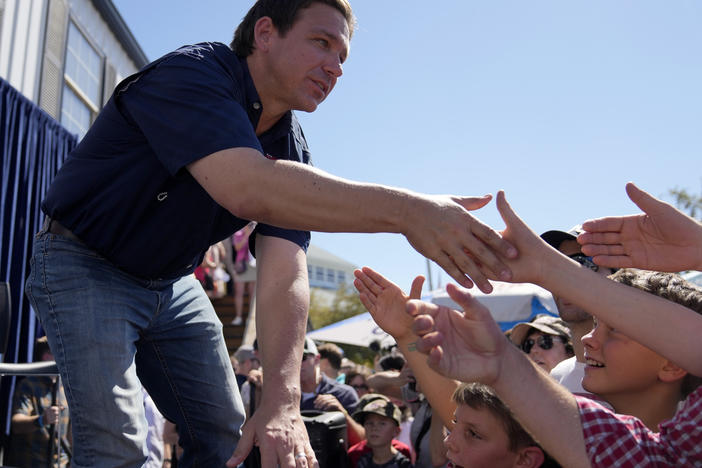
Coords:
82,83
331,275
319,273
341,277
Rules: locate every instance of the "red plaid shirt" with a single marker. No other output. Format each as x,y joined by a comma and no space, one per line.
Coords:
616,440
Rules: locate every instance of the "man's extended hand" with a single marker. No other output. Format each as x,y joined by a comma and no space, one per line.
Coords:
441,228
281,435
464,346
661,238
385,300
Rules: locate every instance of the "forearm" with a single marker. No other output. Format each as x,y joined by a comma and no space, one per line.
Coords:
354,430
298,196
24,424
544,408
436,388
662,325
437,435
282,301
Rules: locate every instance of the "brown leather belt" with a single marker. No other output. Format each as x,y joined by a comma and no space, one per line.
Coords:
54,227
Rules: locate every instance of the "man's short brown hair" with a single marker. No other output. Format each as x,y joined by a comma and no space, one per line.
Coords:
283,13
331,353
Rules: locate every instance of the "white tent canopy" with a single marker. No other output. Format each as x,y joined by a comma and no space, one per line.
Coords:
508,303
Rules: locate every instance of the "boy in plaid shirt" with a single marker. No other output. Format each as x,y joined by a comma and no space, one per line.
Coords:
579,432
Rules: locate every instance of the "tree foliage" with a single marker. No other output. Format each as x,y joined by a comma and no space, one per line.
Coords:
345,304
687,202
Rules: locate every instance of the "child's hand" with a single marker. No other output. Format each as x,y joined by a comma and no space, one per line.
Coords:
661,238
534,252
464,346
385,301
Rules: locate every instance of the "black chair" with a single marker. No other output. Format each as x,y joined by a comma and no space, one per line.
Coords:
43,368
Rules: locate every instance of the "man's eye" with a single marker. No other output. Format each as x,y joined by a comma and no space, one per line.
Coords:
323,42
474,434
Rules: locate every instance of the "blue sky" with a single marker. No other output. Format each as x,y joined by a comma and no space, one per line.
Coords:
558,103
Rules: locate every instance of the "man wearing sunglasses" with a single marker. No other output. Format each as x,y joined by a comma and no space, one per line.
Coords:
570,372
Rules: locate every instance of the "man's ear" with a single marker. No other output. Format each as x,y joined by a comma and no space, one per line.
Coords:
264,30
670,372
530,457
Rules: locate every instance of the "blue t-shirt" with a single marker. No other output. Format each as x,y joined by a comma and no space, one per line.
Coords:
125,190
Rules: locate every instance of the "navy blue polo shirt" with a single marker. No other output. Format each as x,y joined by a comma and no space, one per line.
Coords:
125,190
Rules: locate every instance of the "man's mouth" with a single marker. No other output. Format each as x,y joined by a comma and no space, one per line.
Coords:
322,86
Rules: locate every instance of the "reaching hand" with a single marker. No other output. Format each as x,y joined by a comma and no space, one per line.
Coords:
385,300
464,346
662,238
280,433
441,228
530,266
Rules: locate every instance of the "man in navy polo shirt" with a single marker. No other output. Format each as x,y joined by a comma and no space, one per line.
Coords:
174,163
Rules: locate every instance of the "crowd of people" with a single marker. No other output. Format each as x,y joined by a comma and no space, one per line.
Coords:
207,142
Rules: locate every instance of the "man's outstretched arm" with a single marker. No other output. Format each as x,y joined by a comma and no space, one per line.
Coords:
298,196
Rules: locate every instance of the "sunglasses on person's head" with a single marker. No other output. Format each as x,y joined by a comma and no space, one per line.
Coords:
585,261
544,342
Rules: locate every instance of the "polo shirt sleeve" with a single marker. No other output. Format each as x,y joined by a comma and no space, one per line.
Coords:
187,106
301,238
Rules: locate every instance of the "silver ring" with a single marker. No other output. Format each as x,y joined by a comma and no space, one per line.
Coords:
300,455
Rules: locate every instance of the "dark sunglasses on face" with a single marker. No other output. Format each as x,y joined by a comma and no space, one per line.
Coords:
585,261
544,342
360,387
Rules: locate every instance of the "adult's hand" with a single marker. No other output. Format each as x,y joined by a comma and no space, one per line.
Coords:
386,301
466,346
281,435
661,238
440,227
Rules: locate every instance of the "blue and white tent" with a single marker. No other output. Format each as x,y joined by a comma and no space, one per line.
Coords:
508,303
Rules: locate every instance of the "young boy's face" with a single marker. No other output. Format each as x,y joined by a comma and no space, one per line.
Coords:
380,430
478,440
618,365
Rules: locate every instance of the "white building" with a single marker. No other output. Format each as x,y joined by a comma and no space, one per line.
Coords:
66,55
327,272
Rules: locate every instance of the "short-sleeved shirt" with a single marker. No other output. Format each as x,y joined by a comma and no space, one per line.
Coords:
624,441
360,449
32,397
398,461
346,395
125,190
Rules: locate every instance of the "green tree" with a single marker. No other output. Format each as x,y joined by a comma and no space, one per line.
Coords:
345,304
688,202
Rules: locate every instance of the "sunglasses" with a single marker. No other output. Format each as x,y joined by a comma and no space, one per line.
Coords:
585,261
360,387
544,342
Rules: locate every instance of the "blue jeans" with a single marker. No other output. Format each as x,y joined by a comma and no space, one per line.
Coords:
111,332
